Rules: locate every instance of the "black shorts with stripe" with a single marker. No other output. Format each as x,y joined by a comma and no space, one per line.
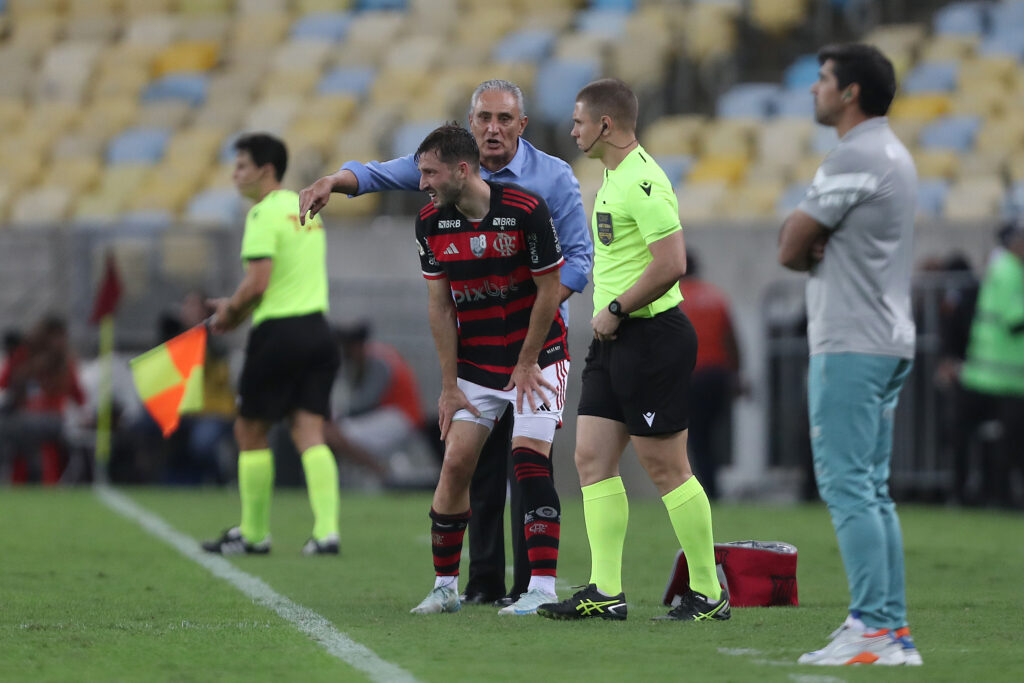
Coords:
290,364
642,378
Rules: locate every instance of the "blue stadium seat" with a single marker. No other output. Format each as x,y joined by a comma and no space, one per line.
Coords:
354,80
790,198
675,166
215,206
330,26
931,196
147,219
961,19
1007,14
138,145
802,73
931,77
394,5
794,103
625,5
409,135
952,132
556,85
602,22
1008,40
190,87
748,100
528,45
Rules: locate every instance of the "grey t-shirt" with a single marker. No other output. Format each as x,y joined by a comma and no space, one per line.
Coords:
858,296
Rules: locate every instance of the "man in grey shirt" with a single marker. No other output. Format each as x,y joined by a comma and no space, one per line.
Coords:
853,233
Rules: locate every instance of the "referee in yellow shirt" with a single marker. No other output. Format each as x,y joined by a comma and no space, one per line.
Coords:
290,357
637,373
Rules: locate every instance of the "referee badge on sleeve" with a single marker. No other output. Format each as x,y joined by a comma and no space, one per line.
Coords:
605,233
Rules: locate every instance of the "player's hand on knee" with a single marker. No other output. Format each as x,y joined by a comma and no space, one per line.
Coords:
449,403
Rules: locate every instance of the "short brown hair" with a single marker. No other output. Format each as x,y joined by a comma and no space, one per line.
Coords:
453,144
610,97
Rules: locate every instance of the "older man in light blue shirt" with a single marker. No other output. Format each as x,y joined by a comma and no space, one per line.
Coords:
497,119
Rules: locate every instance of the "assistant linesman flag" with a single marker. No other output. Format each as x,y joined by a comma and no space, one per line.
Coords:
169,378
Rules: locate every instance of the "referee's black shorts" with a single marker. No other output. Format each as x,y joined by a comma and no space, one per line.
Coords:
642,377
290,364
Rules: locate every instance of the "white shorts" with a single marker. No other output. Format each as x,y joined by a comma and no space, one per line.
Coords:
492,404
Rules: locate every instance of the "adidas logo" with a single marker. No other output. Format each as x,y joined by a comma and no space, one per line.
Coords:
452,250
649,419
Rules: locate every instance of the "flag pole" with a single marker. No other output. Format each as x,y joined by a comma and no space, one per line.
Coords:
104,407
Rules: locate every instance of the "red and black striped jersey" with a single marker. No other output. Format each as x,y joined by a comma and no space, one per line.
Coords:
490,266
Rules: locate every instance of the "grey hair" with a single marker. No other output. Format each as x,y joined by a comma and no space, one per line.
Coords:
502,86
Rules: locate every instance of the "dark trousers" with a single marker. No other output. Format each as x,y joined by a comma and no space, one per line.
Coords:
710,416
1004,452
486,526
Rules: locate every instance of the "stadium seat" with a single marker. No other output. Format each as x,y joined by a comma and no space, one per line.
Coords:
42,204
153,30
409,135
607,23
953,132
347,81
191,56
802,73
777,16
138,145
259,30
673,135
961,19
930,77
321,26
748,100
699,201
948,47
923,106
621,5
12,113
169,114
1008,42
727,138
530,45
66,71
709,31
288,83
557,83
790,198
794,103
102,27
712,169
752,200
272,115
205,7
783,142
937,163
675,166
76,174
931,196
975,199
189,88
221,207
1013,201
983,101
185,255
369,36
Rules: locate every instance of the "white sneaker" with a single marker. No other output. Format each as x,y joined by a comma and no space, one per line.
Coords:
441,599
529,601
852,643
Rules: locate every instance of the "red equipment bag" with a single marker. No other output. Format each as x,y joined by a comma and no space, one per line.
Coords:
756,574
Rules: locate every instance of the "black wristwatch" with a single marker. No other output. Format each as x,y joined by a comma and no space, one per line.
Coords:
615,308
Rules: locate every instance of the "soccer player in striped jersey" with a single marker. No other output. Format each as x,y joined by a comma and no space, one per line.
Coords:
491,257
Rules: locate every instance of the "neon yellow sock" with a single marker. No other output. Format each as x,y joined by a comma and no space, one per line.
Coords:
690,512
606,513
255,487
322,484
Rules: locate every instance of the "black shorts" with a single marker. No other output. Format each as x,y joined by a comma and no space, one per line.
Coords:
642,377
290,364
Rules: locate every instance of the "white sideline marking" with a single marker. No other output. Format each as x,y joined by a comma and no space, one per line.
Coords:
306,620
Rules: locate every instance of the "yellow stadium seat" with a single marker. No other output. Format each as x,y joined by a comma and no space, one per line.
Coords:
6,193
43,204
301,55
121,181
307,6
751,201
897,39
332,111
729,170
587,169
83,8
973,199
77,145
273,115
16,171
398,86
12,113
167,195
196,143
777,16
19,8
983,164
168,114
212,28
924,106
908,130
1000,69
153,30
1015,166
120,81
307,134
36,31
586,46
673,134
986,101
762,171
222,112
186,56
937,163
948,48
141,7
1005,134
218,177
291,83
727,138
260,30
709,31
782,142
558,19
205,7
100,27
804,169
699,201
483,28
248,8
109,115
79,174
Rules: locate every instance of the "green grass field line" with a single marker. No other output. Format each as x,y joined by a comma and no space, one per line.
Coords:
87,595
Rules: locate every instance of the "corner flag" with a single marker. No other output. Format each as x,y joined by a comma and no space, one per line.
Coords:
169,378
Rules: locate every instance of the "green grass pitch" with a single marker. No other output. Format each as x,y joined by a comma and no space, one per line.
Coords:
87,595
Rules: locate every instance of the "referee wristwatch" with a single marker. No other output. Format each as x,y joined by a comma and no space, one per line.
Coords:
615,308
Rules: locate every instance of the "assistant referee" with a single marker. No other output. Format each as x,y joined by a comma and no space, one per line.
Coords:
637,373
290,357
